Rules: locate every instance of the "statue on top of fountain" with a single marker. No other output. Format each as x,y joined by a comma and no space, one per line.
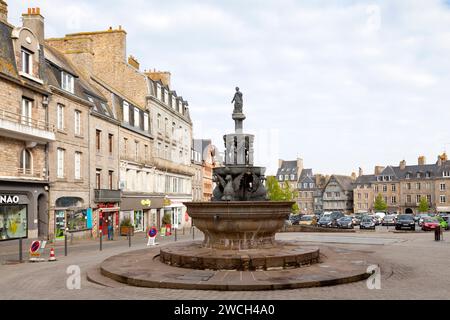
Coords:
239,180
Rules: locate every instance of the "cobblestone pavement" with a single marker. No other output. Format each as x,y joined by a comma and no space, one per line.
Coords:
413,265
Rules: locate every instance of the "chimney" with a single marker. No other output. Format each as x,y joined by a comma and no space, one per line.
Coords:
378,170
35,22
361,172
444,157
132,61
280,163
402,165
3,11
422,161
353,176
300,164
163,76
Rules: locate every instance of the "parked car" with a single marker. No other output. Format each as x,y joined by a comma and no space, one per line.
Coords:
430,224
389,220
325,221
295,219
420,218
308,220
335,216
405,221
345,223
367,222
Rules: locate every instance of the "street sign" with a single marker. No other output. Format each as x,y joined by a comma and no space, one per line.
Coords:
152,233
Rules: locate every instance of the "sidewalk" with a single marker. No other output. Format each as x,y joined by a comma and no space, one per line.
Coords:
9,250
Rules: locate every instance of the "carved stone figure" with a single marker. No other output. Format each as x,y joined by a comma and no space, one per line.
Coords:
238,101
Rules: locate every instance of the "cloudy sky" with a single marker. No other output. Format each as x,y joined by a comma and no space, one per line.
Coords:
341,84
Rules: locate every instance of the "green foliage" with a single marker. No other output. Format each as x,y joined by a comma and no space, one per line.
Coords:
423,205
380,204
167,219
284,193
126,223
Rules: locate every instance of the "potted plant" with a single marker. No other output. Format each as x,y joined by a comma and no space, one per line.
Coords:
126,227
167,222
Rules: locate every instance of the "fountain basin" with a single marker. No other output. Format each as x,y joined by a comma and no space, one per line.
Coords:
239,225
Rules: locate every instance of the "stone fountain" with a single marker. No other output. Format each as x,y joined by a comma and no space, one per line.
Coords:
239,250
239,224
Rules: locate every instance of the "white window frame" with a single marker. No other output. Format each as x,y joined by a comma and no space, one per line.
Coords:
78,122
60,163
442,187
77,161
60,116
67,82
446,174
443,199
27,106
146,117
27,55
158,91
136,117
166,96
126,112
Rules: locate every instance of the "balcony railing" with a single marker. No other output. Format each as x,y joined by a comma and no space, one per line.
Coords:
102,195
28,173
25,128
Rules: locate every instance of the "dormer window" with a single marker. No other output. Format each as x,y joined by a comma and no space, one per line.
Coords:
136,117
174,102
446,174
428,175
27,62
158,91
166,97
126,112
67,82
408,176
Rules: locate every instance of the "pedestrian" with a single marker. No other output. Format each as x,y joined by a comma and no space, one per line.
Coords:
110,231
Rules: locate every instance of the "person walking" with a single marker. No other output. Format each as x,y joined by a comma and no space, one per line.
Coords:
110,231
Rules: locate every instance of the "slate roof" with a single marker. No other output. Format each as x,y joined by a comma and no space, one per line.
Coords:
288,167
7,60
345,182
366,179
56,62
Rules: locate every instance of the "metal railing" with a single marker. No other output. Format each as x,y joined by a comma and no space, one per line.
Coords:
26,121
22,172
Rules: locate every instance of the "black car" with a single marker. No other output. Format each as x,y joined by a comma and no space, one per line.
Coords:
325,222
295,219
405,221
367,223
345,223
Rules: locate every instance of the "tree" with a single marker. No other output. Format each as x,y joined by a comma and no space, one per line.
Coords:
380,204
423,205
278,193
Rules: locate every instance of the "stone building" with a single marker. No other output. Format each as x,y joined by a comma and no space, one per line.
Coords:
208,162
306,190
338,194
289,171
197,179
402,187
25,131
155,133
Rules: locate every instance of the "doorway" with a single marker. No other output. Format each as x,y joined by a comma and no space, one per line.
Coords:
42,209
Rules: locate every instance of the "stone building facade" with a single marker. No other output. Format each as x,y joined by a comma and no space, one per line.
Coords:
25,131
402,187
155,128
208,162
289,171
338,194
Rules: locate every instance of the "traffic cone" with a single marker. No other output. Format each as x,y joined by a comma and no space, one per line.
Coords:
52,255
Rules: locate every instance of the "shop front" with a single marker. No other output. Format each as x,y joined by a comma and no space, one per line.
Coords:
142,211
107,214
443,210
178,212
23,211
70,214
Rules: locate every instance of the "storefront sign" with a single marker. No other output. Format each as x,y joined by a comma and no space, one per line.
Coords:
146,202
167,202
8,199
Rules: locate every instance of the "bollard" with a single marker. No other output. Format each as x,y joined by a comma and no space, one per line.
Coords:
20,250
183,231
65,243
101,240
175,235
193,233
129,238
437,234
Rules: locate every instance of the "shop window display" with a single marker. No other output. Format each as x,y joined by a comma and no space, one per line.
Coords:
13,222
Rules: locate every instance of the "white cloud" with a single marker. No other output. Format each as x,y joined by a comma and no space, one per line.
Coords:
344,84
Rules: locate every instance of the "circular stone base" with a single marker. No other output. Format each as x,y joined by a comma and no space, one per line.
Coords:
282,255
143,268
